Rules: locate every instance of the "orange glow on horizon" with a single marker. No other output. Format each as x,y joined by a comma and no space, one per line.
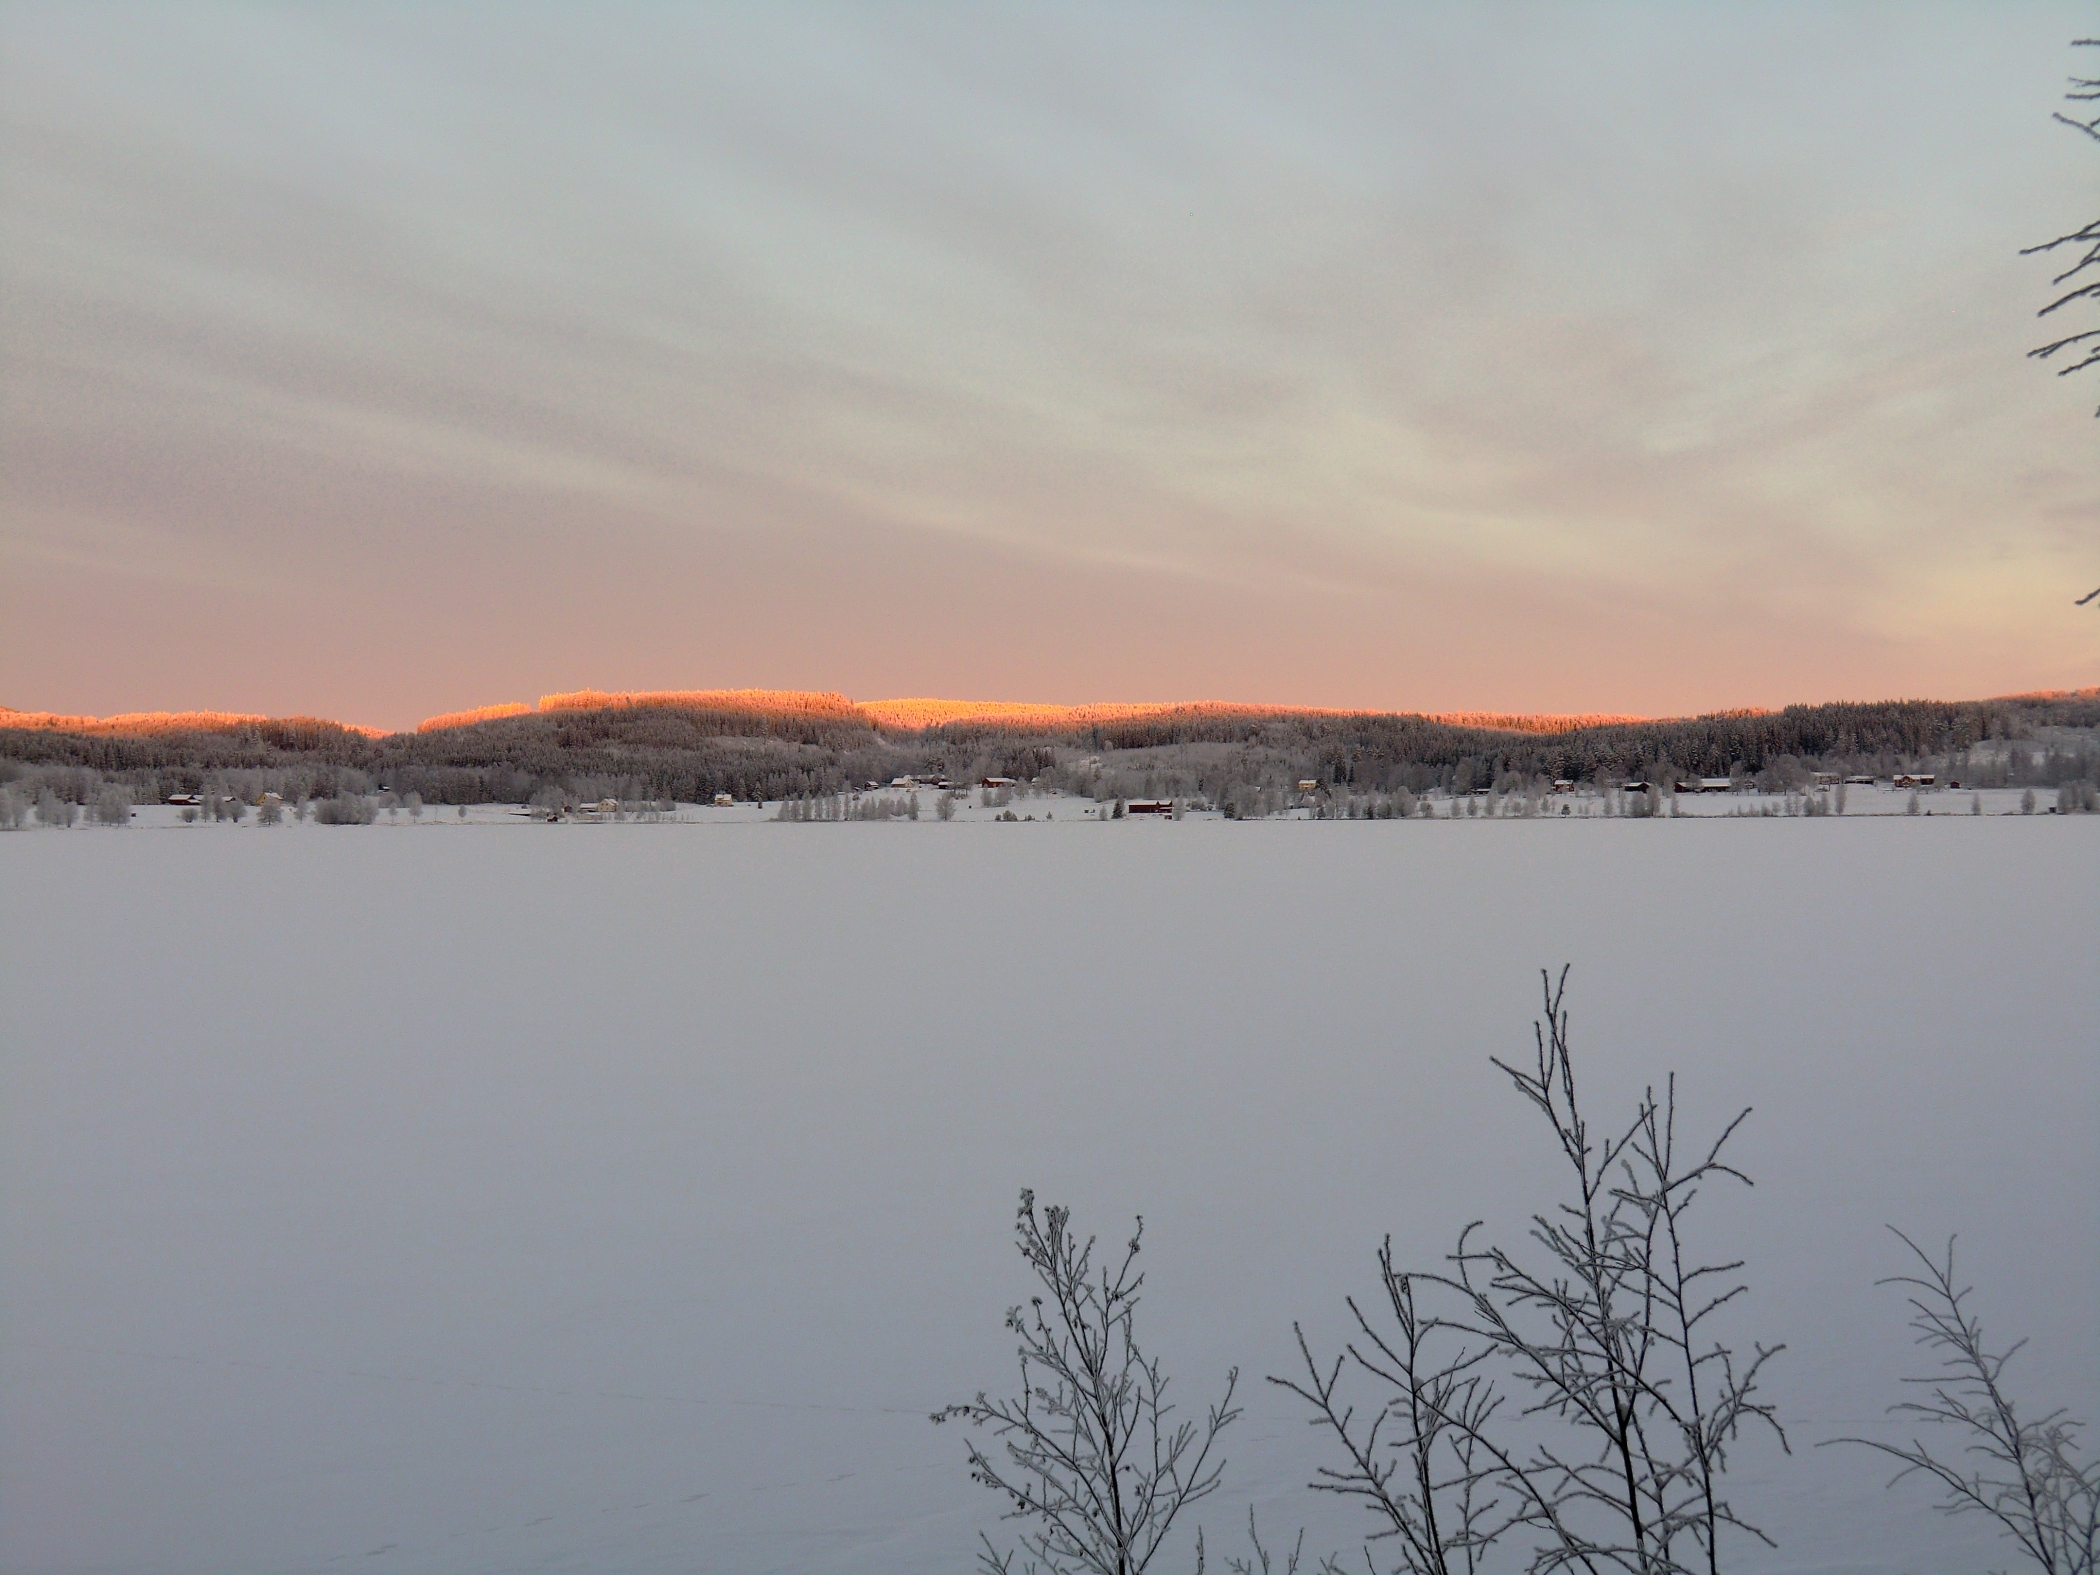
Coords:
914,714
1542,723
911,715
761,700
903,715
143,722
483,713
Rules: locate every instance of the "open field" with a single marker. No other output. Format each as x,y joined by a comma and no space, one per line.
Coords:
622,1198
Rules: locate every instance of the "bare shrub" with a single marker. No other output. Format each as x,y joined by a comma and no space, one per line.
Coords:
2022,1474
51,810
112,807
1583,1401
1087,1452
345,810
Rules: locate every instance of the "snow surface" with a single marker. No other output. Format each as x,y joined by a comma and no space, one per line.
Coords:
622,1197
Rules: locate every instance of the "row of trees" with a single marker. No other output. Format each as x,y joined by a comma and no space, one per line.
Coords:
1567,1403
1709,745
110,804
19,805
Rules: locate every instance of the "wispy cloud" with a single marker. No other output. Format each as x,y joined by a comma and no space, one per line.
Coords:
1674,314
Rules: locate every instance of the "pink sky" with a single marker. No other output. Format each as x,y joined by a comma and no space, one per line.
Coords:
380,362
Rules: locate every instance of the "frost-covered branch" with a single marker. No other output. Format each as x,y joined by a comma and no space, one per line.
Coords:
2082,90
1087,1452
1616,1458
2022,1474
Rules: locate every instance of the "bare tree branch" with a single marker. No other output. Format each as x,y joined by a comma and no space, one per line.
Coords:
2082,90
1088,1455
1615,1455
2026,1478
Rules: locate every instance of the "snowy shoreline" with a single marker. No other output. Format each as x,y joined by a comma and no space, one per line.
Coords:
1863,803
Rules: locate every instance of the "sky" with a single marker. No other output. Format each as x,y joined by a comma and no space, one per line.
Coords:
373,361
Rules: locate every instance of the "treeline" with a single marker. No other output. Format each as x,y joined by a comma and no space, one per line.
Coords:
1252,762
691,747
1345,746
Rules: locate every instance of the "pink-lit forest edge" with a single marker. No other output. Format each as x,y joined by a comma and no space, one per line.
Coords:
818,754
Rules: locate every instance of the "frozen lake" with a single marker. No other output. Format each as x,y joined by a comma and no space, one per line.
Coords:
621,1198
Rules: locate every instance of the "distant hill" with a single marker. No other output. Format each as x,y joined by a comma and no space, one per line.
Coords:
1022,716
923,715
752,743
147,724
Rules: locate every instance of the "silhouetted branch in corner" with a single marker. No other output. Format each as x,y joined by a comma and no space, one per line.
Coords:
2083,91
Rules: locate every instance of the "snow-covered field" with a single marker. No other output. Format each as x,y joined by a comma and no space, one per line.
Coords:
621,1198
